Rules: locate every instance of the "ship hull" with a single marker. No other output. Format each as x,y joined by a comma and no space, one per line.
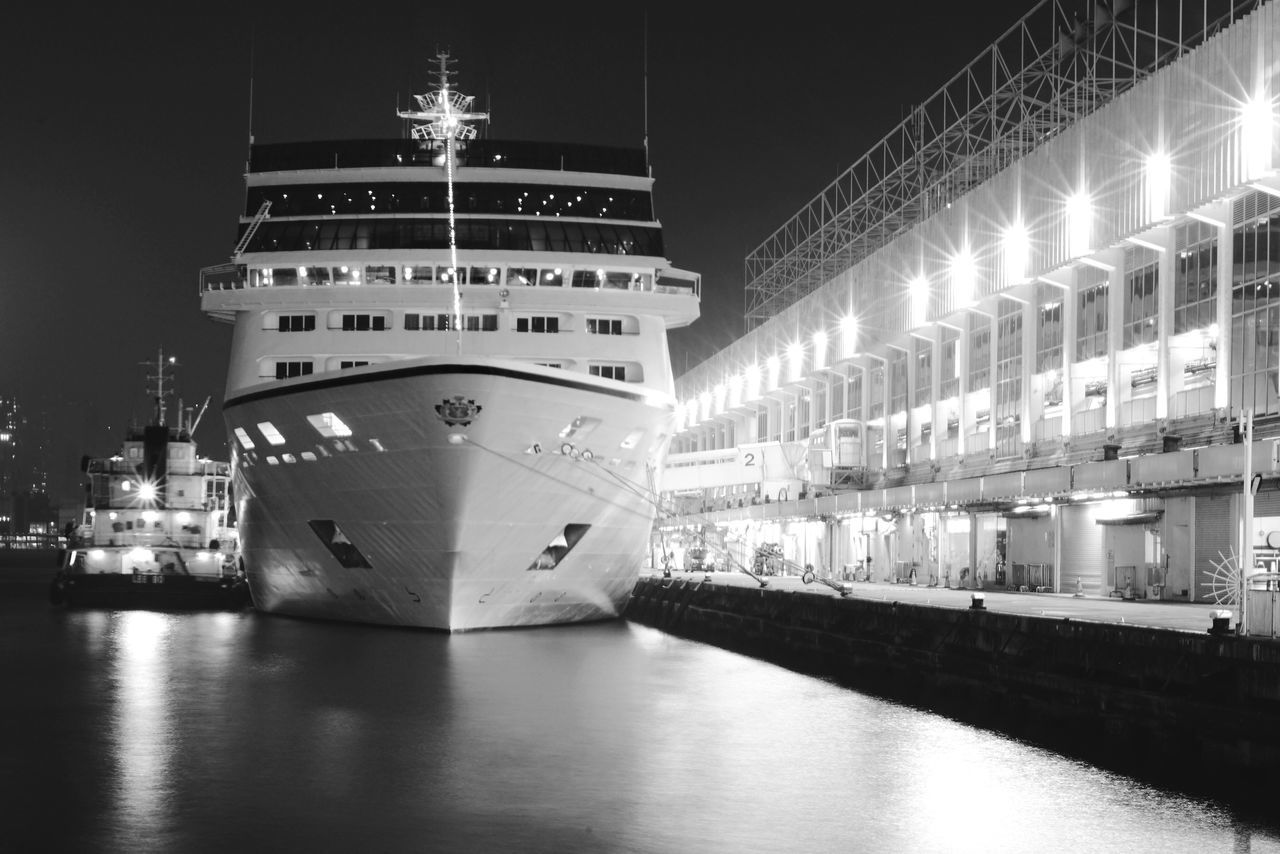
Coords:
469,494
149,592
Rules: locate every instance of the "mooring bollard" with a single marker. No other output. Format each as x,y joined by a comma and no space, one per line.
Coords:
978,602
1221,622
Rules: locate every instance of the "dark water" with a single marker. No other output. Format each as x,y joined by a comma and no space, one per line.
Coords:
139,731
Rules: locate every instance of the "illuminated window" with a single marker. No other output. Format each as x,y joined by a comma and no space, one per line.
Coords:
328,424
243,438
270,433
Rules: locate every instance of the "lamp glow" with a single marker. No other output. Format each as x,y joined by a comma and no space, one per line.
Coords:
1159,177
963,278
751,378
795,361
1017,253
1079,223
735,390
918,291
1256,122
848,337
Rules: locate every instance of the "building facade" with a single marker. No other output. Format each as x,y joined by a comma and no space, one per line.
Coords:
1043,352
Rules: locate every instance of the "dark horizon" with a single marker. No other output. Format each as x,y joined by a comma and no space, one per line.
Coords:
130,129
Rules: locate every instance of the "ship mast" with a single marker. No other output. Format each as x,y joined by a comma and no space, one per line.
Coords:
158,378
441,116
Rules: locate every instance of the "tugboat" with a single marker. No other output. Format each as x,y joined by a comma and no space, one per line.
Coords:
158,529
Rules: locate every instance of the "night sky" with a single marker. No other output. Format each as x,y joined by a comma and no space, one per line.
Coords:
127,124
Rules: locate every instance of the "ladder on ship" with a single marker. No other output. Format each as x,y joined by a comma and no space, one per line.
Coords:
252,229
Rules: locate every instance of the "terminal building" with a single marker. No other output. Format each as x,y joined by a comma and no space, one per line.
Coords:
1031,340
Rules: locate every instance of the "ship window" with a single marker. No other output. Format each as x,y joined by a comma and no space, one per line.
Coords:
287,369
604,326
363,322
329,425
484,275
297,322
553,278
609,372
538,324
309,456
588,278
620,281
522,276
270,433
559,547
419,275
383,275
338,545
446,275
280,276
352,363
313,275
243,438
346,275
412,321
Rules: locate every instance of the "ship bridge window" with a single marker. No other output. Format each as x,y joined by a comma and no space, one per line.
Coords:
447,275
293,368
384,275
553,278
335,540
293,322
270,433
329,425
273,277
419,275
345,275
538,324
484,275
604,325
349,322
243,438
522,276
314,276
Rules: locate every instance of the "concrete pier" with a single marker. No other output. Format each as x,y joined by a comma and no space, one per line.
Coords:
1187,709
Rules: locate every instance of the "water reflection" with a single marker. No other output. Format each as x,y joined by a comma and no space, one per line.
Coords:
243,732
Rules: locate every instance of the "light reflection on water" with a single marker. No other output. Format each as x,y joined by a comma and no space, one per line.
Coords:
238,731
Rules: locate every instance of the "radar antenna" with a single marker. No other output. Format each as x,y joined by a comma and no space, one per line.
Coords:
442,116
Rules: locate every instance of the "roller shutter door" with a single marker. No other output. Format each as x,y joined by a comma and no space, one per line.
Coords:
1215,539
1084,554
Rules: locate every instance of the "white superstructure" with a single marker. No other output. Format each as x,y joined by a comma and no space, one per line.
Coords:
449,391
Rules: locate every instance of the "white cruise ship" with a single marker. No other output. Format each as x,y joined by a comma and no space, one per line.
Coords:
450,394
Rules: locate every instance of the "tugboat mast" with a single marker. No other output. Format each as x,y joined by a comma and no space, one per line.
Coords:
158,378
